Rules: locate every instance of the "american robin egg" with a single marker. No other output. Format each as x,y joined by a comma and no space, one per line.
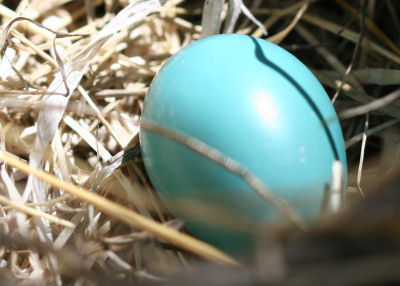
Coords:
257,104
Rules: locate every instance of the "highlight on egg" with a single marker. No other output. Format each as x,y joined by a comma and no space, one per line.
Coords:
252,105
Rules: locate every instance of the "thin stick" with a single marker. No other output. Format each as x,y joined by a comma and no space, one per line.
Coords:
126,215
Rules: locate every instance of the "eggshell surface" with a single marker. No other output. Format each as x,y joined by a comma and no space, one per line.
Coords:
257,104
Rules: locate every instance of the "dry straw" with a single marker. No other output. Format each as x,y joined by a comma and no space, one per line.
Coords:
118,211
73,79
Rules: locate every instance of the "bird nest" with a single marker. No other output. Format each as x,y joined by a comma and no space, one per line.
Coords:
77,207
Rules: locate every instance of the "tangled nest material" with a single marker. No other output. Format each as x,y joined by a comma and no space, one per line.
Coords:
73,79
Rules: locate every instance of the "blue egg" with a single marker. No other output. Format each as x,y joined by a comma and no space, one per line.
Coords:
259,105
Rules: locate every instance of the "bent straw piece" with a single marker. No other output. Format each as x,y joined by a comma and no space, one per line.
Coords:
29,26
34,212
126,215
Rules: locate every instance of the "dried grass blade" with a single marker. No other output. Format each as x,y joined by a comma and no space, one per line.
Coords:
370,26
230,164
254,19
118,260
36,213
100,116
276,16
211,20
371,131
354,56
6,67
31,26
277,38
350,35
125,215
16,197
66,233
48,203
110,166
336,198
88,137
378,76
371,106
35,48
68,79
234,8
362,154
329,57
